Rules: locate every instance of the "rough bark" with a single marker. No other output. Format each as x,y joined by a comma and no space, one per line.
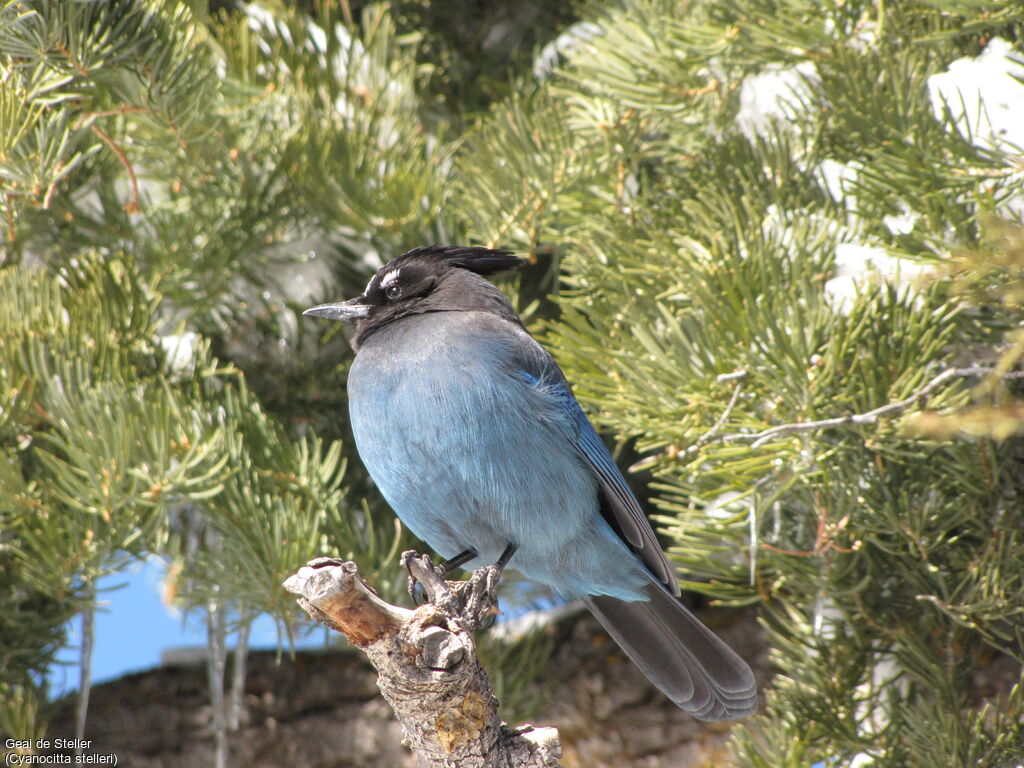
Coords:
426,663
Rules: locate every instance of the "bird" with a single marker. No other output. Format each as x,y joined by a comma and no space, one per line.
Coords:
473,435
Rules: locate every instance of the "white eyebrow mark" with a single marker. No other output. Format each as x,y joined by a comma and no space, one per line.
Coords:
389,278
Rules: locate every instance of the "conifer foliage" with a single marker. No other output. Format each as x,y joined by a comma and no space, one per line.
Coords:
777,247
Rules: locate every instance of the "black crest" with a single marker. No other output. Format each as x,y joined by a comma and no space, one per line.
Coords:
482,261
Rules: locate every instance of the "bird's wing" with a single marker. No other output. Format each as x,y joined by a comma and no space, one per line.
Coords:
618,504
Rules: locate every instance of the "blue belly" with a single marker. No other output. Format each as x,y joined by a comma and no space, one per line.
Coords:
469,455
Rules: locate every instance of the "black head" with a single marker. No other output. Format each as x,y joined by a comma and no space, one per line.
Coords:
433,278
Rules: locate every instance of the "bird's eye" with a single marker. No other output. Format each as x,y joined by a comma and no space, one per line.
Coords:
393,291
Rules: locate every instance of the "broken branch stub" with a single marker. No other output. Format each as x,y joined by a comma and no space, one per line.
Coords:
426,663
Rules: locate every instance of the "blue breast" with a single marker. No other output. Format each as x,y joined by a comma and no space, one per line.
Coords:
471,452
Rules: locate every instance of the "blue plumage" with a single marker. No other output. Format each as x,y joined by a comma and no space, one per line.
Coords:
473,452
473,436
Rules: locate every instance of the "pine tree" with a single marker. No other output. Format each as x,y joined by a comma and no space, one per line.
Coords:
745,218
706,307
151,175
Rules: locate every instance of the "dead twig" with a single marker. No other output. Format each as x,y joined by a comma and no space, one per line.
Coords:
757,439
426,663
132,206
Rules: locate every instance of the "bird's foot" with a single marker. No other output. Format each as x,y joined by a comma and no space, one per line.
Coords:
429,578
481,599
473,601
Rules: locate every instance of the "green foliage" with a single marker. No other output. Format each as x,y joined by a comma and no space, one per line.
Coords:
144,189
347,90
888,564
164,174
92,442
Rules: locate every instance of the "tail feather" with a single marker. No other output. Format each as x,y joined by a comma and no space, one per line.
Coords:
682,657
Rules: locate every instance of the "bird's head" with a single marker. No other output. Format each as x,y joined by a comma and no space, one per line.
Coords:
433,278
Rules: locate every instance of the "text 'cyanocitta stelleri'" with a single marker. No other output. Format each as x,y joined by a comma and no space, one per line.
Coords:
471,432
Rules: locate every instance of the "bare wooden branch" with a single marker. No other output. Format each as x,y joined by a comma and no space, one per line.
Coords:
757,439
708,436
426,662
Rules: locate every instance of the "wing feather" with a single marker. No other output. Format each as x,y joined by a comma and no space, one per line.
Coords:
619,505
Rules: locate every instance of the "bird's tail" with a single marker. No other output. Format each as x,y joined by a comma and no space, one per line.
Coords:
681,656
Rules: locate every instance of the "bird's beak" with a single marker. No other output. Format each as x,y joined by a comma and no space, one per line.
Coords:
353,309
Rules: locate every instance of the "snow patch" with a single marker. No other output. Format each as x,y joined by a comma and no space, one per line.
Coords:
559,50
774,94
862,37
903,223
729,504
180,349
856,264
838,178
984,97
827,617
785,229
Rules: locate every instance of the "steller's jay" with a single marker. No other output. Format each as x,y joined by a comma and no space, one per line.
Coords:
472,433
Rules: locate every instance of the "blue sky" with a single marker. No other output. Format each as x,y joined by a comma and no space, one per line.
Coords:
133,628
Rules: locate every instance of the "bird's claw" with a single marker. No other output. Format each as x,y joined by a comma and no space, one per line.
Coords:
423,573
481,601
473,601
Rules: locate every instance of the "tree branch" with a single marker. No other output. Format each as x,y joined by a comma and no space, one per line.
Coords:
708,436
132,206
426,662
757,439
